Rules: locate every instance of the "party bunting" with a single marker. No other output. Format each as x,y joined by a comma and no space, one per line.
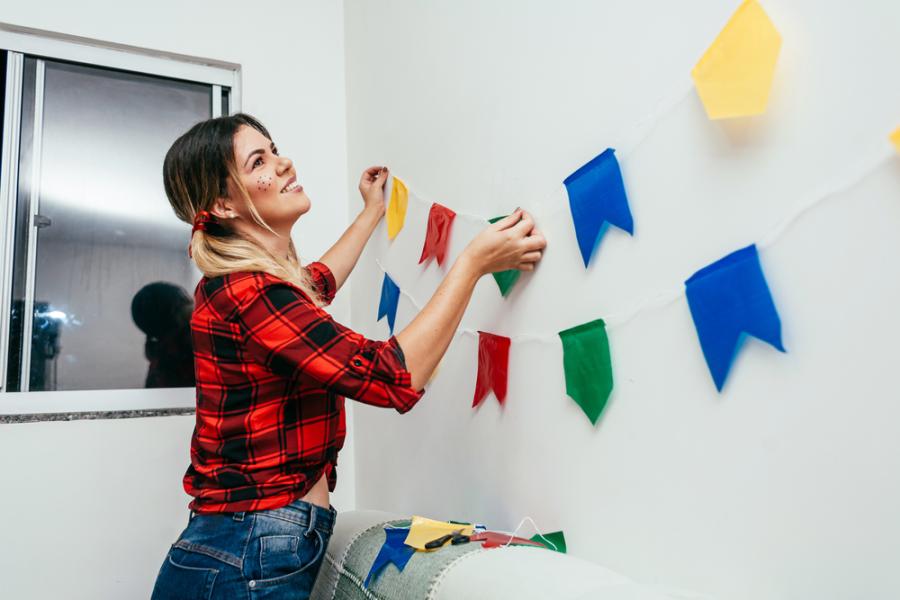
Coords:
728,299
396,210
895,138
390,294
493,366
423,530
505,279
393,551
554,541
494,539
734,75
588,367
437,236
597,198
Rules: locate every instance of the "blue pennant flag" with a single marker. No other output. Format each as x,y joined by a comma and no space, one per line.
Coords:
597,198
728,299
390,293
394,550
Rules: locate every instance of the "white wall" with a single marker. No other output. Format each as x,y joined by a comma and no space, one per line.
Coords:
92,506
783,486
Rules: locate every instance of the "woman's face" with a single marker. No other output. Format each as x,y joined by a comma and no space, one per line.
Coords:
270,180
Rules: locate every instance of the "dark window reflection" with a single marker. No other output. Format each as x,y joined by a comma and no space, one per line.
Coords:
162,311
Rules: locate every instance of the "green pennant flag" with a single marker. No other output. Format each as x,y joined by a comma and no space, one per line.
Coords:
588,368
505,279
556,538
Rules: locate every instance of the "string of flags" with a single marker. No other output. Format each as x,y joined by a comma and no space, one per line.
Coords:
424,536
728,299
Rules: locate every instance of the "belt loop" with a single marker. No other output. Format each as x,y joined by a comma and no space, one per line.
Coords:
238,516
312,521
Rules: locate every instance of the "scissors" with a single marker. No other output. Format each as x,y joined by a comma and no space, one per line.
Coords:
455,538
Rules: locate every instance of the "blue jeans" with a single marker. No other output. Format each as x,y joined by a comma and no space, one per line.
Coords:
270,554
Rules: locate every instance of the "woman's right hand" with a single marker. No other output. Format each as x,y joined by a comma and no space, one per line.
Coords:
511,243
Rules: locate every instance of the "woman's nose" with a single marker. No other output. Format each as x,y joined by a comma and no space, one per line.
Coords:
284,164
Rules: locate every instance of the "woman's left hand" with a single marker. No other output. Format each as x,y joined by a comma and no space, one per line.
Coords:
371,186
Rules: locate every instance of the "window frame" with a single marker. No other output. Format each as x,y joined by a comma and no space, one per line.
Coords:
19,42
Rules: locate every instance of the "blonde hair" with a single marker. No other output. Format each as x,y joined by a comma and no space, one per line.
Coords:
196,172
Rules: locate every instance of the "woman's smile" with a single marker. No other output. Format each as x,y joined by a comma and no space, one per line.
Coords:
292,186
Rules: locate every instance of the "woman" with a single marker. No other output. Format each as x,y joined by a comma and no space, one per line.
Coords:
272,367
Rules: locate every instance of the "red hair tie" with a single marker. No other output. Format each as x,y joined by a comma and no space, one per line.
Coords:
201,223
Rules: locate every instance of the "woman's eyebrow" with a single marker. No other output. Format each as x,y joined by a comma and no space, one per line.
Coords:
259,151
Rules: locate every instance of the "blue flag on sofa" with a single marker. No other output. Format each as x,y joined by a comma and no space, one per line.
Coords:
394,550
390,293
597,198
729,299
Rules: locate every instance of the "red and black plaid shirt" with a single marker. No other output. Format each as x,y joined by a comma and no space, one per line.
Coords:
271,370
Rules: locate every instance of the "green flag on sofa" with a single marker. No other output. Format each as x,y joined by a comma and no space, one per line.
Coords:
554,541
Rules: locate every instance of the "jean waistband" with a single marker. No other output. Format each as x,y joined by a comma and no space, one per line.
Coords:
299,512
304,514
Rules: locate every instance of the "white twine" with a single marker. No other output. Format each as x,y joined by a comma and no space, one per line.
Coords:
639,132
536,529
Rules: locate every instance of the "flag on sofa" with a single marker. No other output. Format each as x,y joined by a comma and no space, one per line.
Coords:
555,541
393,551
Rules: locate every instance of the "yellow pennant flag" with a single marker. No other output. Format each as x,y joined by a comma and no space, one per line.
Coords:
895,137
396,210
734,75
425,530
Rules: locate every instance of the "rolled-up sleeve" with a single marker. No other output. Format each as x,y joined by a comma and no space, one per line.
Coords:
286,332
324,280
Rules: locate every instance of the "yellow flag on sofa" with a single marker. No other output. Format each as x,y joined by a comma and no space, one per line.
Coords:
895,138
396,210
734,75
423,530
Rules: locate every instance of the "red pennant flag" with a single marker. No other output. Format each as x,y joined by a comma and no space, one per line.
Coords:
493,539
437,237
493,364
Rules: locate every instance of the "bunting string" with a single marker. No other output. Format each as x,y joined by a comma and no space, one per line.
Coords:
663,298
537,530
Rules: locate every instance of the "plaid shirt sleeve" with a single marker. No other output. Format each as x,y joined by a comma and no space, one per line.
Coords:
324,280
289,334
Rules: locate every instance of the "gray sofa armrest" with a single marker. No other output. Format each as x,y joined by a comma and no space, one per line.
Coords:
515,572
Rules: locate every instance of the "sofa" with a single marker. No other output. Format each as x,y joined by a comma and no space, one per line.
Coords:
466,571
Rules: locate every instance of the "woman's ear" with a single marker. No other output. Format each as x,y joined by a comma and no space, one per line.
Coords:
222,209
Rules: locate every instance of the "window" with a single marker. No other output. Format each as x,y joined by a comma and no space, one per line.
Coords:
97,285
